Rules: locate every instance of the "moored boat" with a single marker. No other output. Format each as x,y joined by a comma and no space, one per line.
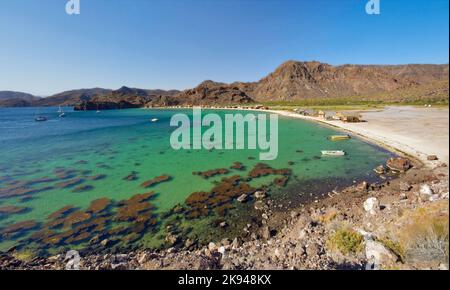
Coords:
40,119
339,137
333,152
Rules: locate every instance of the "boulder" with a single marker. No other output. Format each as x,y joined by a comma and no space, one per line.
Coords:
363,186
432,158
380,169
425,189
371,205
379,254
260,194
398,164
212,247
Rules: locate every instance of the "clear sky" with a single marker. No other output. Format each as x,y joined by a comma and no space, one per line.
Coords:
178,44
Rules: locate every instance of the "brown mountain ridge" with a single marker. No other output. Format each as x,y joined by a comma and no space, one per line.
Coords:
291,81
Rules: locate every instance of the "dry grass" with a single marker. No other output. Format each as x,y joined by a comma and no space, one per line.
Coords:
424,235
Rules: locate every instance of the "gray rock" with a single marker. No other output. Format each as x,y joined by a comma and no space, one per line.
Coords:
260,194
425,189
371,205
379,254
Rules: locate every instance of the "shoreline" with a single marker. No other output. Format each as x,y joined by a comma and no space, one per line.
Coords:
379,137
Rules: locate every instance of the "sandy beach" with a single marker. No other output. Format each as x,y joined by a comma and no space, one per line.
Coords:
418,132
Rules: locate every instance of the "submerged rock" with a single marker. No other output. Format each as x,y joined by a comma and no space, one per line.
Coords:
19,227
156,180
9,209
211,173
99,205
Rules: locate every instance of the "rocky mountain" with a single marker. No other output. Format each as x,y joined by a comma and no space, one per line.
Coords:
302,80
291,81
212,93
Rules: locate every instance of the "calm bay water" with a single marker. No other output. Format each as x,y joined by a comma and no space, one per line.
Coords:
88,156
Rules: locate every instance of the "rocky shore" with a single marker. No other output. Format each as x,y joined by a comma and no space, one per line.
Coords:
399,224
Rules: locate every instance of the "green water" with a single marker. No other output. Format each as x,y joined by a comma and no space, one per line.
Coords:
117,143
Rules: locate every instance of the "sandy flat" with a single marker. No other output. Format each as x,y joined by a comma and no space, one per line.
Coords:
418,132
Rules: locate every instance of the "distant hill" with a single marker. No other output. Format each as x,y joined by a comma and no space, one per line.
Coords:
291,81
16,99
8,95
124,98
71,98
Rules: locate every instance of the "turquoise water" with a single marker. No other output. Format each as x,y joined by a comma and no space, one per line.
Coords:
95,152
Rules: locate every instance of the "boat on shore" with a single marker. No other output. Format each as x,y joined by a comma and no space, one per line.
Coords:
339,137
333,152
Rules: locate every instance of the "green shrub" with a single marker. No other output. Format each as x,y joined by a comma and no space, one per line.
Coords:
346,241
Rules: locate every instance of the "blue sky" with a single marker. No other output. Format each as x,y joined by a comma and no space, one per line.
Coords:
178,44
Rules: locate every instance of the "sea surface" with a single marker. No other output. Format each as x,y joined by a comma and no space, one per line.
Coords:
110,180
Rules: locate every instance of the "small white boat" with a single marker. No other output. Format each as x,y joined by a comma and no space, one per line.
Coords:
40,119
333,152
154,120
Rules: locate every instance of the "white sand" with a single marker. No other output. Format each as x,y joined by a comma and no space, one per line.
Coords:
417,132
